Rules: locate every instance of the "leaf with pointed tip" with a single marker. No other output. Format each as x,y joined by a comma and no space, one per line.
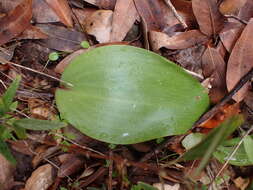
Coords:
123,95
209,18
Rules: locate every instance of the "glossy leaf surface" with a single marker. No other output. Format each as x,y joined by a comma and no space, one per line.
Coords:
123,95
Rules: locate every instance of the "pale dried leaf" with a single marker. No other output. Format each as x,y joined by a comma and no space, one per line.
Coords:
124,17
209,18
15,22
160,186
99,24
83,14
41,178
240,61
180,41
62,9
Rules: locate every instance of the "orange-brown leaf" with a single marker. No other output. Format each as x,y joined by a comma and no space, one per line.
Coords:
179,41
124,17
240,61
15,22
209,18
62,9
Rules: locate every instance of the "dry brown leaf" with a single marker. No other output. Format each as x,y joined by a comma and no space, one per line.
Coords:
32,32
6,173
156,14
180,41
230,34
62,9
99,24
246,12
61,38
214,66
15,22
240,61
124,17
231,6
39,9
105,4
209,18
40,109
161,186
7,6
41,178
83,14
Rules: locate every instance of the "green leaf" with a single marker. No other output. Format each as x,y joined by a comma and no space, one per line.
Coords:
248,146
192,139
124,95
4,150
54,56
7,98
210,143
36,124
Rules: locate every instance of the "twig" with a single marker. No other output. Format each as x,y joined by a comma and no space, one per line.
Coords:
179,18
3,61
224,100
232,154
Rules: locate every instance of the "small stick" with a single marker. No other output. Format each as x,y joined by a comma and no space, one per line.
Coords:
179,18
3,61
224,100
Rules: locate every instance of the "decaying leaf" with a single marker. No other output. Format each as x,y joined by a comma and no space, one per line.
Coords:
124,17
214,66
39,9
60,38
209,18
180,41
32,32
99,24
16,21
230,34
83,14
41,178
6,173
62,9
105,4
240,61
156,14
231,6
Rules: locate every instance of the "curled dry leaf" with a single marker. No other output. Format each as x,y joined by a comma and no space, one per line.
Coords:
240,61
6,173
155,14
39,9
231,6
230,34
41,178
15,22
209,18
124,17
99,24
180,41
62,9
214,66
60,38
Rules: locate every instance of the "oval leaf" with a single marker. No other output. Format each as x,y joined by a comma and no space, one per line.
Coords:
123,95
36,124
